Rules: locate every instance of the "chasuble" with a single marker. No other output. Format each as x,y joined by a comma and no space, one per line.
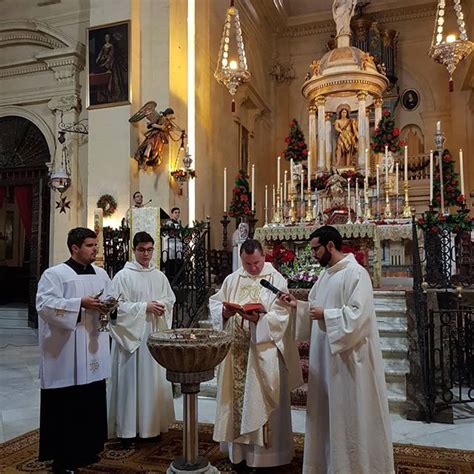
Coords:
253,418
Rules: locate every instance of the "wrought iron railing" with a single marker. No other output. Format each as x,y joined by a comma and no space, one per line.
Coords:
442,268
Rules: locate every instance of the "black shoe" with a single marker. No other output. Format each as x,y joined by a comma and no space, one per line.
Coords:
128,443
60,468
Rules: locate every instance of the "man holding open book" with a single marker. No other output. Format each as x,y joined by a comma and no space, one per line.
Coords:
253,419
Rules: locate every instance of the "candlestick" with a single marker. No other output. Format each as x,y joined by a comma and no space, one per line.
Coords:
386,153
281,195
309,170
461,172
266,204
349,221
396,178
366,162
378,188
285,185
405,170
225,189
309,208
431,178
278,172
302,185
252,207
273,195
438,127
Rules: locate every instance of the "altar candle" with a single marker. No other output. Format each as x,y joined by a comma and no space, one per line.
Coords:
278,172
366,162
386,152
378,180
438,127
302,184
225,190
357,190
273,195
281,194
405,171
431,177
253,188
285,185
266,196
396,178
309,170
349,193
461,172
386,176
291,175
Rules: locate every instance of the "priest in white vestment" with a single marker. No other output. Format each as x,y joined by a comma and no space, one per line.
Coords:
347,419
140,399
253,417
75,358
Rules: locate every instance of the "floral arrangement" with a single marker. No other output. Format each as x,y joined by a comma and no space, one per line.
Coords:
302,271
280,255
182,175
108,204
386,134
296,145
432,222
452,193
240,205
358,254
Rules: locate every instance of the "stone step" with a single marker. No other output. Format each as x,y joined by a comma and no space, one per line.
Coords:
400,342
395,352
13,323
9,313
392,329
18,331
384,313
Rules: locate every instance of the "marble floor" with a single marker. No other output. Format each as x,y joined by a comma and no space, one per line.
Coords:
19,403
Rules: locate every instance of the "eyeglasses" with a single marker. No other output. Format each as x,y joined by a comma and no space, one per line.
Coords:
316,248
142,250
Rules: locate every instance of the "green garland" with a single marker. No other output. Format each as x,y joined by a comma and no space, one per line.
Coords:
108,204
433,222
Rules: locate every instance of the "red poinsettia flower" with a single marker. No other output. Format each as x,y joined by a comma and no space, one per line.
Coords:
421,221
396,132
386,112
244,197
434,229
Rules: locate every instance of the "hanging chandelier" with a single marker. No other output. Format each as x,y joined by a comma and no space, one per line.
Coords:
449,50
232,69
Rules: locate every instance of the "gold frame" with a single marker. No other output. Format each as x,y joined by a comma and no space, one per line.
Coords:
101,28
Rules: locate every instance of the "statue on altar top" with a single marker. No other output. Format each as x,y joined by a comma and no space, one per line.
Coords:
347,137
342,11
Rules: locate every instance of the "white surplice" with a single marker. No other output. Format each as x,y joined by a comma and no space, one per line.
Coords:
347,418
73,351
140,399
253,416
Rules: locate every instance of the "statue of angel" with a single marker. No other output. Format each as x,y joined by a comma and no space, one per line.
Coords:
342,11
161,128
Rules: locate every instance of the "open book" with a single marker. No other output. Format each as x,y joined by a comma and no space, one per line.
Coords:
246,308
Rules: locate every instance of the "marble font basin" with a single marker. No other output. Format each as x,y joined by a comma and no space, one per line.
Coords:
189,355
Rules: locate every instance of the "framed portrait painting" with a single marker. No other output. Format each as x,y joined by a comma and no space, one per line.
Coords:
410,99
108,82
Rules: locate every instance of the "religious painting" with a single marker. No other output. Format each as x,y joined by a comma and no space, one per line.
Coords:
108,65
410,99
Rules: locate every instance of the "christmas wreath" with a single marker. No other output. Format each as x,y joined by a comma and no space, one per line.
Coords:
108,204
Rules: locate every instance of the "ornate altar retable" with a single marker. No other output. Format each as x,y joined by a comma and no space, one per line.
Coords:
369,237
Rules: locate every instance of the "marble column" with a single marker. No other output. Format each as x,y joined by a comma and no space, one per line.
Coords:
312,135
367,129
378,102
328,140
321,103
66,109
361,116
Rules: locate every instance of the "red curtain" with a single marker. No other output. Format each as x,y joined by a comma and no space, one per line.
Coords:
23,196
3,192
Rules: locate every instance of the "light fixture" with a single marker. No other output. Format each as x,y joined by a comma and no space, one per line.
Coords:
232,69
449,51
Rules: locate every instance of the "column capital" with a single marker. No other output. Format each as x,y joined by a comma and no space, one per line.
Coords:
320,101
312,108
362,95
378,102
65,103
328,115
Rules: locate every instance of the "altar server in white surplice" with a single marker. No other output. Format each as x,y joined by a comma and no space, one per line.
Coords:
347,418
140,399
75,358
253,418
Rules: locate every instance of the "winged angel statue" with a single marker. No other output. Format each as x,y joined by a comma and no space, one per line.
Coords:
161,128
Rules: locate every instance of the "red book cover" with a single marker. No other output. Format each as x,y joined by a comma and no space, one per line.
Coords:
246,308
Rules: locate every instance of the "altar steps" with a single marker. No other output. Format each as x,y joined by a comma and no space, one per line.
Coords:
390,309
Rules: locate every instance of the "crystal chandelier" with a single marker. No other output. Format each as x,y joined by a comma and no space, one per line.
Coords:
232,69
450,51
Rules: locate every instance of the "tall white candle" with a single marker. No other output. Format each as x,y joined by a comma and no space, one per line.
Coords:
431,177
253,188
285,179
281,194
438,127
273,195
396,178
349,193
266,196
278,172
386,152
378,180
386,175
309,170
291,176
366,162
302,184
225,189
461,172
405,171
357,190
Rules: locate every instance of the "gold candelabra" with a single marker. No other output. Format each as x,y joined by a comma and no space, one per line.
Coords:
406,205
309,209
368,212
293,212
277,210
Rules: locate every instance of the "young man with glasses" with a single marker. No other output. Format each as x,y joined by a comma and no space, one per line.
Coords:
140,399
347,418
